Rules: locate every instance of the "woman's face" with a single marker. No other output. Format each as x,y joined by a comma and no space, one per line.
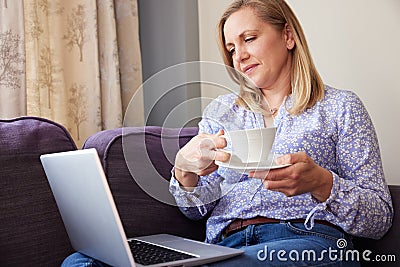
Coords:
258,49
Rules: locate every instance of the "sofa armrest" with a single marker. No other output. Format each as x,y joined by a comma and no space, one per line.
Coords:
31,230
389,245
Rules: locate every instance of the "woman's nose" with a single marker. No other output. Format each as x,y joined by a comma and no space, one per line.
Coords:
240,54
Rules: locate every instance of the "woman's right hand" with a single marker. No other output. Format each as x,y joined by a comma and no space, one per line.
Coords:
198,157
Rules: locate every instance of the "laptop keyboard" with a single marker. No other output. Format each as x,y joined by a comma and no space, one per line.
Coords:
147,254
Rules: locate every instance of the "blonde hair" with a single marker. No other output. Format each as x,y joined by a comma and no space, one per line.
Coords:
306,83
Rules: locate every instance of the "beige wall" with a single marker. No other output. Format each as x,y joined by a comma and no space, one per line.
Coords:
209,13
355,45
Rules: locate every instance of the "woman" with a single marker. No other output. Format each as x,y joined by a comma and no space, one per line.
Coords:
303,214
334,187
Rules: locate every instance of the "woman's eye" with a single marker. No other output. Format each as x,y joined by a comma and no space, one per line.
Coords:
231,51
249,39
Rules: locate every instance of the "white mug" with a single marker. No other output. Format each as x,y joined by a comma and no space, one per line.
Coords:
251,145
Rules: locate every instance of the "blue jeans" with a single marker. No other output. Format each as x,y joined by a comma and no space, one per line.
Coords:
275,244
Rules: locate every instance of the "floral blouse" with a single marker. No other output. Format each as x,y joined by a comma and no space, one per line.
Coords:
337,133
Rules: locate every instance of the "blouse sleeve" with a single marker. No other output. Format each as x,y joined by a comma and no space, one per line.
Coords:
198,203
360,202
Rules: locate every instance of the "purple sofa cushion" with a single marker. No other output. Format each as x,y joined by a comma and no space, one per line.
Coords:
389,245
135,159
31,230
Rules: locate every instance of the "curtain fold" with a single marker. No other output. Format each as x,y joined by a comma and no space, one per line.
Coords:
79,62
12,59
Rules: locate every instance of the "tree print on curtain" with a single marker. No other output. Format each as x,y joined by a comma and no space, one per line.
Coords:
47,72
32,26
77,108
76,31
50,7
11,60
47,68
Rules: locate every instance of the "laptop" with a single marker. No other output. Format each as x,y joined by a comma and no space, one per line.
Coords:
94,227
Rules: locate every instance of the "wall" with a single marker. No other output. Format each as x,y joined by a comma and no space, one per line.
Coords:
169,37
355,45
209,13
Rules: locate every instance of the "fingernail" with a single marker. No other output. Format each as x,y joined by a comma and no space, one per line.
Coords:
279,160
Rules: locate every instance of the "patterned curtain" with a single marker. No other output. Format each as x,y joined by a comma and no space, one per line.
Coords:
75,62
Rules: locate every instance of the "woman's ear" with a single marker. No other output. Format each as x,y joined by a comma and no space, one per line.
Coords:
288,34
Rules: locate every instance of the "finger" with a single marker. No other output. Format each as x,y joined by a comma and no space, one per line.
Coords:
206,141
258,174
291,158
285,186
222,156
219,141
285,159
211,141
278,185
271,175
209,169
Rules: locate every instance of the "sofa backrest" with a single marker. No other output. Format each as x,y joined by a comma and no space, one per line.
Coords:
138,162
31,230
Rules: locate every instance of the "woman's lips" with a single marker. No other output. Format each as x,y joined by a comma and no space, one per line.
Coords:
249,68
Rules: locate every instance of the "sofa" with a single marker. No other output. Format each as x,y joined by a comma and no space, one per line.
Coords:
137,162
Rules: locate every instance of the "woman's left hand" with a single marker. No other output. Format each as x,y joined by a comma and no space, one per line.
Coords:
303,176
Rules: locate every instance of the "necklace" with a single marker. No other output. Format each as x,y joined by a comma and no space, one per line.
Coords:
273,111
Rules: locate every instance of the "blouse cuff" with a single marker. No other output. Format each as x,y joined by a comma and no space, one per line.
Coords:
200,197
337,191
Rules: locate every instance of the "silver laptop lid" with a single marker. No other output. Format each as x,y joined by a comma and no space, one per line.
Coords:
79,187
